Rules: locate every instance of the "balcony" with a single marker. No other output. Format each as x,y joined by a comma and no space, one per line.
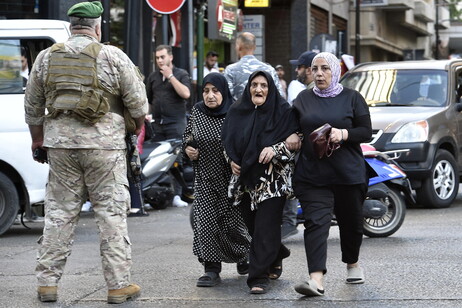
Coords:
411,22
424,11
400,5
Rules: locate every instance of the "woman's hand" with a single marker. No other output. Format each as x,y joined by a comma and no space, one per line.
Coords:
266,155
192,153
338,135
235,168
293,142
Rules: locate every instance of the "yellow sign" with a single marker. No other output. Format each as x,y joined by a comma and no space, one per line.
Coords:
256,3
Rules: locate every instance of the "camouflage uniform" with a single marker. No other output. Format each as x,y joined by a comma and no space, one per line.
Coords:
86,161
238,74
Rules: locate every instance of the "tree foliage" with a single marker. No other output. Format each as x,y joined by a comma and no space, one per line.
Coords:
455,11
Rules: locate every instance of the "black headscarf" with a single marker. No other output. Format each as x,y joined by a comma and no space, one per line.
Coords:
220,82
248,129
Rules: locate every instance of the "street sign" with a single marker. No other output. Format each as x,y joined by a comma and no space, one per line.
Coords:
165,6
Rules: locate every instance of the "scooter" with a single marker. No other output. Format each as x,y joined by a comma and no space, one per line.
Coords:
385,206
159,169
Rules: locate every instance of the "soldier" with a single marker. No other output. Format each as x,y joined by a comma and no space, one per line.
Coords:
86,88
238,73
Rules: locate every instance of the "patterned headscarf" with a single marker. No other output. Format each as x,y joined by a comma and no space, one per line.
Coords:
334,88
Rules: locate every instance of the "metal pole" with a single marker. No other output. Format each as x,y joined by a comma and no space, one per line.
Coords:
132,34
200,45
357,36
105,21
190,34
165,29
437,34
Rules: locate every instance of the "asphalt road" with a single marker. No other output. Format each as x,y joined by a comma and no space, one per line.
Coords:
418,266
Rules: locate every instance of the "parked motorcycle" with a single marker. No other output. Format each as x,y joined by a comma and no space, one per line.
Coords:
385,206
160,168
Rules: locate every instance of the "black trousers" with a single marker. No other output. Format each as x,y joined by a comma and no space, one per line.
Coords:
212,267
264,226
318,204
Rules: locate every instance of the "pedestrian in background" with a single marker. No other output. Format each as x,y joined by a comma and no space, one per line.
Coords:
86,148
210,65
304,81
168,90
253,135
238,73
220,234
280,71
336,184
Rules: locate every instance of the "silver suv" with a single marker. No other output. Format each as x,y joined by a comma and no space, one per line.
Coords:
416,105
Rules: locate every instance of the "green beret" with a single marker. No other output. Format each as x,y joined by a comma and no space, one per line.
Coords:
92,9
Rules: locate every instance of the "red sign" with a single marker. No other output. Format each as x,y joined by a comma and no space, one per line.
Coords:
165,6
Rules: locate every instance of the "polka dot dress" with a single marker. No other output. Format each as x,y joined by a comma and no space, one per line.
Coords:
220,234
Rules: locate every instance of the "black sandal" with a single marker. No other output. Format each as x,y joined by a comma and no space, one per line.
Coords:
276,267
209,279
263,288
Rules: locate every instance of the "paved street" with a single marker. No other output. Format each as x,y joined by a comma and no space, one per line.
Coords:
419,266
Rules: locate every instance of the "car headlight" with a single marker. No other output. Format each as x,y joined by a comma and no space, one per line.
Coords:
412,132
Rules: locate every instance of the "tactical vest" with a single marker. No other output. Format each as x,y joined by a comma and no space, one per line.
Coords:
72,85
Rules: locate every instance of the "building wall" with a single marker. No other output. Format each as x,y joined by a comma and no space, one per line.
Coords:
390,34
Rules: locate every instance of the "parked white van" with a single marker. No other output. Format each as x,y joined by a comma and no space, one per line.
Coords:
22,180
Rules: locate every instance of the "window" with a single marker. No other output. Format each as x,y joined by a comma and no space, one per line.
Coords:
391,87
11,80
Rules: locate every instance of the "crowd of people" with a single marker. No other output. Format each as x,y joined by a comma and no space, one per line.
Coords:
247,140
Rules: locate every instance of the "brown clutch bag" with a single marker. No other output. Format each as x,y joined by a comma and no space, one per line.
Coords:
322,145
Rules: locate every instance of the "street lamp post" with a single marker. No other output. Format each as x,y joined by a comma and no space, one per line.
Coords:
437,34
357,52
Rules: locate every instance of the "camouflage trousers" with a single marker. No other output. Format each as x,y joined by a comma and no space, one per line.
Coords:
75,175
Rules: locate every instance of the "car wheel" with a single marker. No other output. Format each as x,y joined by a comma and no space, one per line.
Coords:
439,190
9,203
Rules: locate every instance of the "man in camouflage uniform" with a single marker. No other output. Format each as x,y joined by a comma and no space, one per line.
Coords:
238,73
86,88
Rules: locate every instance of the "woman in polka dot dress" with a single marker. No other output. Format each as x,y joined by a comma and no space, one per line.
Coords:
220,234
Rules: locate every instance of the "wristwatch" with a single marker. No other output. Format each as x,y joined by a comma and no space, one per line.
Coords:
169,77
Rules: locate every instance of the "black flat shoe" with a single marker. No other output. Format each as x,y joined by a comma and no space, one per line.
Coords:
209,279
242,268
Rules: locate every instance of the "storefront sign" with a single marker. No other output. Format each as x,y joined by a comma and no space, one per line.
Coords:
257,3
224,25
255,24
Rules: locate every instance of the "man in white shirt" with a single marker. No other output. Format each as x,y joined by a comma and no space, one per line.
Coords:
210,65
304,77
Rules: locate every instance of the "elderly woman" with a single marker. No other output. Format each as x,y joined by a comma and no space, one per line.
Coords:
220,234
253,136
335,184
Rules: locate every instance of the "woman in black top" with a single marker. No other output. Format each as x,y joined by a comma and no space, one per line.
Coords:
253,136
335,184
220,234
